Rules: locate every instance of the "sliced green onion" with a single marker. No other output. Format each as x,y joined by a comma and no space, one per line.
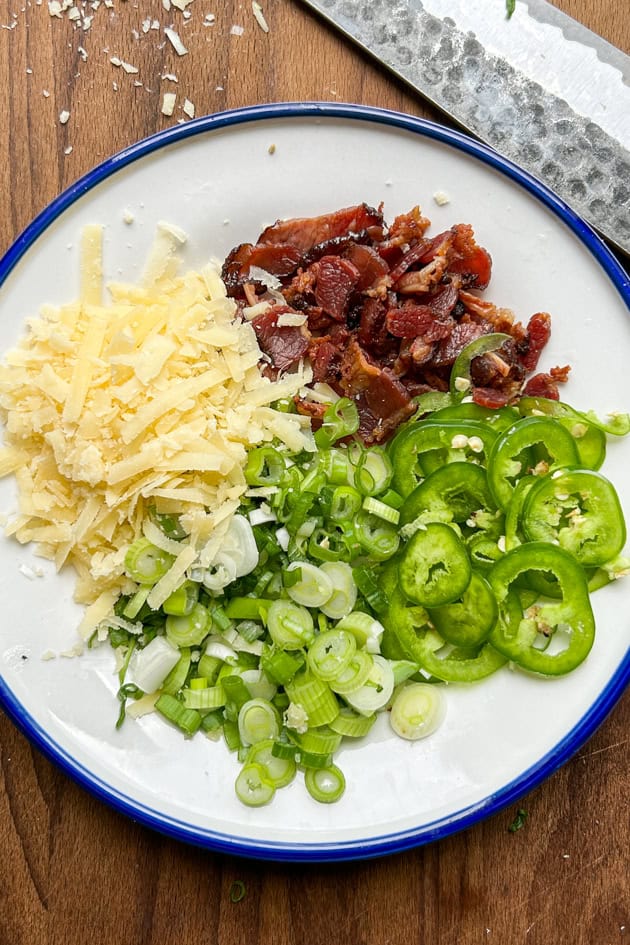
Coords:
169,524
280,771
236,691
381,510
230,735
253,786
246,608
373,472
344,595
128,691
378,538
145,563
336,466
208,667
153,664
280,665
299,512
188,630
313,586
344,504
376,691
354,675
257,722
188,720
340,419
219,617
330,653
212,722
136,602
325,785
393,498
212,697
265,467
352,725
325,545
314,696
366,630
250,630
259,685
369,588
310,759
318,741
417,710
182,601
283,749
177,676
290,626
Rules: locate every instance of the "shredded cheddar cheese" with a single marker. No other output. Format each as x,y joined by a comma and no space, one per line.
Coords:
150,399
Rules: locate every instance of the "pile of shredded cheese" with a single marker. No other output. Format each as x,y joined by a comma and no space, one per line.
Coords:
149,400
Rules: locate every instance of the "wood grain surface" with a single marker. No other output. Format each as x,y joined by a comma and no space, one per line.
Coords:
71,870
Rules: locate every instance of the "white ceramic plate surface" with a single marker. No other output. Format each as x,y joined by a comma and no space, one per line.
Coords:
217,179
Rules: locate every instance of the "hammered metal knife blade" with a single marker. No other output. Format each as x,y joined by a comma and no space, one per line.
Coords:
539,88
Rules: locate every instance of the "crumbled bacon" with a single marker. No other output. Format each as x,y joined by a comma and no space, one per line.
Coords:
538,332
388,310
336,280
284,344
546,385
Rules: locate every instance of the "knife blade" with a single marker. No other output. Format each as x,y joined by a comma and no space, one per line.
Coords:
539,87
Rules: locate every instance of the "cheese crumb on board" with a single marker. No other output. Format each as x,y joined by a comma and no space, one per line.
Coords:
148,400
259,16
168,103
175,41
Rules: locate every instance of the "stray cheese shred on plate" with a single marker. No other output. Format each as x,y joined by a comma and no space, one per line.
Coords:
149,400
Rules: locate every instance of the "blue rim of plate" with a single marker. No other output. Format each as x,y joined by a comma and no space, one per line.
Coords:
529,779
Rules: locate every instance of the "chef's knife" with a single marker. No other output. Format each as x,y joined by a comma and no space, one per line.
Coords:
538,87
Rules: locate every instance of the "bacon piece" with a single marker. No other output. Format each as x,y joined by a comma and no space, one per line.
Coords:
372,333
311,408
382,401
306,232
428,320
462,334
285,345
325,358
423,280
369,264
501,319
467,258
542,385
406,228
490,397
336,280
561,374
444,301
546,385
538,334
413,321
235,261
280,259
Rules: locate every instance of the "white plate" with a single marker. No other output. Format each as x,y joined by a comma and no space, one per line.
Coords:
217,179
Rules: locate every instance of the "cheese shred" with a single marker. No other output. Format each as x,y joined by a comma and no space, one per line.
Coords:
149,400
